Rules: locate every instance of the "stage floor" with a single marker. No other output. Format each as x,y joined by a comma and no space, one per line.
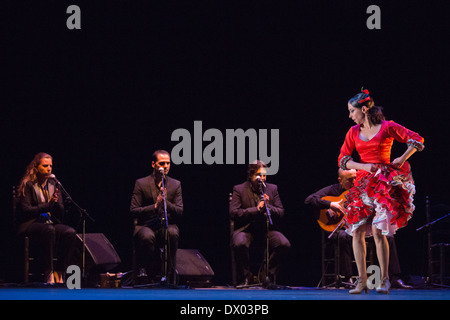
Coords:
219,293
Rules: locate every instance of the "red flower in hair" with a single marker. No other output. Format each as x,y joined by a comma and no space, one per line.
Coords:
366,98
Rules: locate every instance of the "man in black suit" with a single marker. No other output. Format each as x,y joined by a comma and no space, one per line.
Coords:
147,207
248,211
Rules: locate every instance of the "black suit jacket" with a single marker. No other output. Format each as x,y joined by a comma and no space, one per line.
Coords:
31,206
144,198
243,210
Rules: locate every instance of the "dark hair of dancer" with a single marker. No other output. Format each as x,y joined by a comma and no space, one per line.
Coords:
362,99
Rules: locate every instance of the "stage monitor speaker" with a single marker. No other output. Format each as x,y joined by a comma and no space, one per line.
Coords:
192,268
100,253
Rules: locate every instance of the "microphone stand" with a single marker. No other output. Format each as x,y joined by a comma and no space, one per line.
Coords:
165,220
268,222
83,215
429,244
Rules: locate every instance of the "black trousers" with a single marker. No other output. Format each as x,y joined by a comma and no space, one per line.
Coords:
241,243
147,245
49,241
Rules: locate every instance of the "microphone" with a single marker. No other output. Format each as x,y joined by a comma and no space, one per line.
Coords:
163,175
58,185
52,176
260,181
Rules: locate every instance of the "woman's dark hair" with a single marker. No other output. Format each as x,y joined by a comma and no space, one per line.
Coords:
31,171
375,113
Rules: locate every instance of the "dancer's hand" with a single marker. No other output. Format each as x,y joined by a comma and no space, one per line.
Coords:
398,162
370,167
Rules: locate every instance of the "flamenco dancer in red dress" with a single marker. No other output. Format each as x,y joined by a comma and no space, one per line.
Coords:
381,200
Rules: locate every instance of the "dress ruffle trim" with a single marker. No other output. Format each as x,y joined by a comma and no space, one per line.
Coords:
384,198
343,162
416,144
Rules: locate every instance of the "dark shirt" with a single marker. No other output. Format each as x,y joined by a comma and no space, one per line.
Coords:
315,199
143,201
32,206
244,211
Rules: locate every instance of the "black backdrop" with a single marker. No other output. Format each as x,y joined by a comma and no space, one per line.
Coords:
101,99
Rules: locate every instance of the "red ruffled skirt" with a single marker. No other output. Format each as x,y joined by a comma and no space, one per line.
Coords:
383,198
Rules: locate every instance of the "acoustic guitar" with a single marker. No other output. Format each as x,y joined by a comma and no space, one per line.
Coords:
326,222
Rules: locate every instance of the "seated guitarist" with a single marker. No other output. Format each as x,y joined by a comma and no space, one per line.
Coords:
346,180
